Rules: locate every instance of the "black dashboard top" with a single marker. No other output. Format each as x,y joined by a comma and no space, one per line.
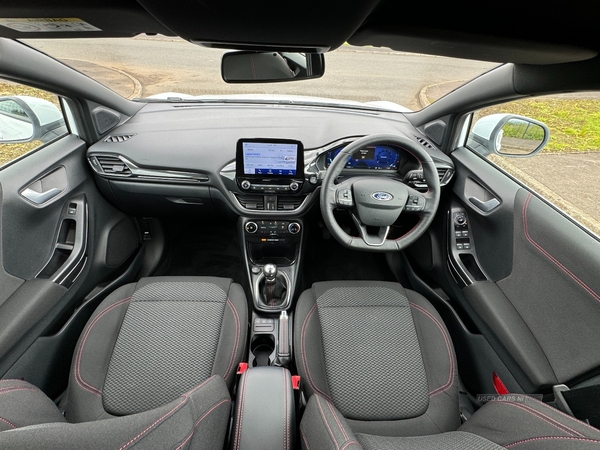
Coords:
195,144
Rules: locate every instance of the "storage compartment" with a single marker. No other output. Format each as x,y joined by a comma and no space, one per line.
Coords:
154,199
265,412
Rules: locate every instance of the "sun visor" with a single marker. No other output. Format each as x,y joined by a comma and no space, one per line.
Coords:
470,46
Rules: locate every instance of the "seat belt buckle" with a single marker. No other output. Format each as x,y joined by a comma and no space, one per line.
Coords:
242,367
296,382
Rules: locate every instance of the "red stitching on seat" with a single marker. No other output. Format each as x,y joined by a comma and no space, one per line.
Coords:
547,438
545,418
10,424
303,351
337,420
350,443
286,429
189,393
237,338
326,422
77,369
571,418
450,381
304,439
549,256
215,406
178,406
16,388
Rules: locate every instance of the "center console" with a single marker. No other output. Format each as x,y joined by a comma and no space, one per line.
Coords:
269,179
273,170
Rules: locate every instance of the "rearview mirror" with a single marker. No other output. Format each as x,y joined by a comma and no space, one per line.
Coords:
508,135
26,119
270,67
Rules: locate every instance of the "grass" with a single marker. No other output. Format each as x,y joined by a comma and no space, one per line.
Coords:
574,123
8,152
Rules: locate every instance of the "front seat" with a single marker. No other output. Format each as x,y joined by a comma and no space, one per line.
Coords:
378,365
152,369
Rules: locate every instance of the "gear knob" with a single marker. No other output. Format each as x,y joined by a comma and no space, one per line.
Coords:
270,272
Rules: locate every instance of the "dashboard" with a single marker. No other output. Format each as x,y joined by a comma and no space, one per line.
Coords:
258,160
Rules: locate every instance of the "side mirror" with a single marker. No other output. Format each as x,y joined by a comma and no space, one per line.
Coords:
270,67
508,135
26,119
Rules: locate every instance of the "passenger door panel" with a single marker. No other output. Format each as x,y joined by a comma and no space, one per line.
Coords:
59,238
539,297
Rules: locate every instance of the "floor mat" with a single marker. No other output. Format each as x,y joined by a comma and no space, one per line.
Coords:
197,250
325,260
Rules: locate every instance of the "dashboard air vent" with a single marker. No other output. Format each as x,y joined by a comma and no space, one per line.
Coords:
424,142
112,165
256,202
445,175
118,138
289,203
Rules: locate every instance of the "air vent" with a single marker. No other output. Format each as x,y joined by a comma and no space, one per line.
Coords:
445,175
424,142
118,138
289,203
256,202
112,165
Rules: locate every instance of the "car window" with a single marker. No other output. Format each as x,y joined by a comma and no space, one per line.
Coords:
29,118
565,172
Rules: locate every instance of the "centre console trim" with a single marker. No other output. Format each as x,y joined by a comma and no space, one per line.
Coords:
289,271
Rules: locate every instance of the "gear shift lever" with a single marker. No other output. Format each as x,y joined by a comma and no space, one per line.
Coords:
274,287
270,273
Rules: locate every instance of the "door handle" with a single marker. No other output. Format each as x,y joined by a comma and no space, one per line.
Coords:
486,206
40,197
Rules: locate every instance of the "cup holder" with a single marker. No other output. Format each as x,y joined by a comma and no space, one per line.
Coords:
262,346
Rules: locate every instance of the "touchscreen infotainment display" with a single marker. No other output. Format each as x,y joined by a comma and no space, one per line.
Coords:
269,158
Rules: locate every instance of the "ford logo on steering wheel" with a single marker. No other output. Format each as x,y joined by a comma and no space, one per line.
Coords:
382,196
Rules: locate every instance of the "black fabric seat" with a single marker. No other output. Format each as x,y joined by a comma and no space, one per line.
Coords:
378,365
152,369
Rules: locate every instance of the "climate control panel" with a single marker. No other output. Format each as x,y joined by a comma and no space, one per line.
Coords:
271,187
272,231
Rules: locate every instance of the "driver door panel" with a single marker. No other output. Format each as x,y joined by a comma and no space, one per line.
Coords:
539,296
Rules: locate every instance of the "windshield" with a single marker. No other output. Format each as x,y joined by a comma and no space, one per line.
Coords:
145,66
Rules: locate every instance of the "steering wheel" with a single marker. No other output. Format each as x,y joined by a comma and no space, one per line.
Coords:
378,201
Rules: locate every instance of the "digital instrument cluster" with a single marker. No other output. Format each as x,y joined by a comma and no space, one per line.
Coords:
380,157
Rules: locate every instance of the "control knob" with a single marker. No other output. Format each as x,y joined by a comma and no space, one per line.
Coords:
460,219
246,185
294,186
251,227
294,228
